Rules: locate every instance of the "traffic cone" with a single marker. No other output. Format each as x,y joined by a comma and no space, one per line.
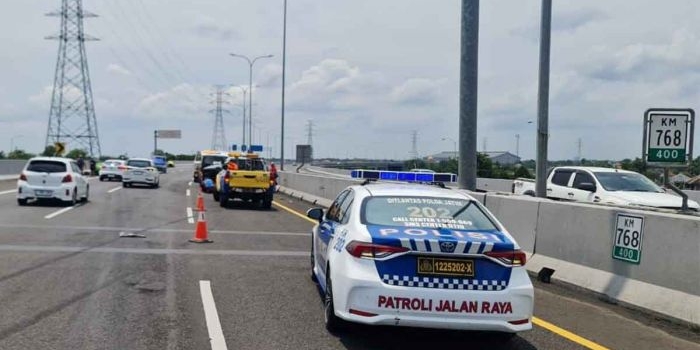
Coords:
201,233
200,202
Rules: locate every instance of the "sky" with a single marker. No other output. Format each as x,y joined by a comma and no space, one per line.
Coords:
366,73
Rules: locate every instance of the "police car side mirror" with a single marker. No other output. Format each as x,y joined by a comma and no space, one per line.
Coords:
315,213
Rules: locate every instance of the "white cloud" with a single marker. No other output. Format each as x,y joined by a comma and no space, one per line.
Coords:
208,27
418,91
181,102
115,68
269,75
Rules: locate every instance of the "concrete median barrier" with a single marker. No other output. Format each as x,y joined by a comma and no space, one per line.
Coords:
11,167
576,241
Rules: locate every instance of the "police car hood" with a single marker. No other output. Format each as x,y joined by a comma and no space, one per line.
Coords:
442,240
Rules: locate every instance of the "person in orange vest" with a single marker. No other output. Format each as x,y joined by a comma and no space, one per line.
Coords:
273,173
232,165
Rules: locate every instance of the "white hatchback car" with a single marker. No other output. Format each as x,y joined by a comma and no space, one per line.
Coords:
419,256
112,169
140,171
46,178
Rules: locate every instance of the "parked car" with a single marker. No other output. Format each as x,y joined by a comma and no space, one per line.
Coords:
141,171
603,185
45,178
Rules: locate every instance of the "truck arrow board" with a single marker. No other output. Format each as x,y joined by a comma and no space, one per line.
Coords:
668,136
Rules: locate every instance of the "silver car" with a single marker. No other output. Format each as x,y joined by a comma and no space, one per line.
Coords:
113,169
140,171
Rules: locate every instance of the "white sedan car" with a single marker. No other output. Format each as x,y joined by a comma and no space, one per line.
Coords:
140,171
419,256
112,169
45,178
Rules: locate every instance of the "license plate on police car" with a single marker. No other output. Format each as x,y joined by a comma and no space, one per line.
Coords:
138,172
443,267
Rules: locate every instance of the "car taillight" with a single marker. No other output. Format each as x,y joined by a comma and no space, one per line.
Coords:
121,167
372,251
23,177
67,178
513,257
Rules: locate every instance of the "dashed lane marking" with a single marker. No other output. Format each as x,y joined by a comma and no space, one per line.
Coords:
59,212
114,189
8,192
216,334
190,216
187,192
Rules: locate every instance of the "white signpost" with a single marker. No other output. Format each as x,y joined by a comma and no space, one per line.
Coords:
668,141
627,242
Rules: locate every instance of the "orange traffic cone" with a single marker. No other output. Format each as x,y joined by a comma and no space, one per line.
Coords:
201,233
200,202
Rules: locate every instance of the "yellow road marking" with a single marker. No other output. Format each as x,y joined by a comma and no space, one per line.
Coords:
535,320
294,212
568,335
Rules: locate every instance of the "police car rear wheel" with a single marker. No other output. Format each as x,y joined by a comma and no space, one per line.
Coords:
313,261
333,323
215,193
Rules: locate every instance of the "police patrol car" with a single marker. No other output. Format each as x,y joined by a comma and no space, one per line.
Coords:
418,255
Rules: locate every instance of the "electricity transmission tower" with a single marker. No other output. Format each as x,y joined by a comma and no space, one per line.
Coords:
309,132
414,145
218,139
72,115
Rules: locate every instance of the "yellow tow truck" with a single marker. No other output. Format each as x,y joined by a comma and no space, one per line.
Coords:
251,182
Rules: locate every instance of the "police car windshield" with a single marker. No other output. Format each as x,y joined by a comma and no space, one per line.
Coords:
428,212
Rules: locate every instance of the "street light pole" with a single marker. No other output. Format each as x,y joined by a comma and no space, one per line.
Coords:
543,100
250,90
284,67
454,143
245,91
12,141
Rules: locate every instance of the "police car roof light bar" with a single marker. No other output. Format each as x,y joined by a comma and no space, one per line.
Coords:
403,176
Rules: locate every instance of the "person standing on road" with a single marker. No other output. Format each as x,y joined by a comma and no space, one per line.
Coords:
231,166
81,163
273,173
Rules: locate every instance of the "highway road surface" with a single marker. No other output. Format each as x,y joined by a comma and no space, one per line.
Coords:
69,281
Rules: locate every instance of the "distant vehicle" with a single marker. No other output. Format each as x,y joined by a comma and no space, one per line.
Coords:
603,185
417,255
171,164
251,182
112,169
141,171
160,163
46,178
422,171
208,162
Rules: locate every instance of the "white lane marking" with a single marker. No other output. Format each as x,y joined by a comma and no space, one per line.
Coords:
190,216
189,183
8,192
114,189
153,251
188,192
155,230
216,335
58,212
